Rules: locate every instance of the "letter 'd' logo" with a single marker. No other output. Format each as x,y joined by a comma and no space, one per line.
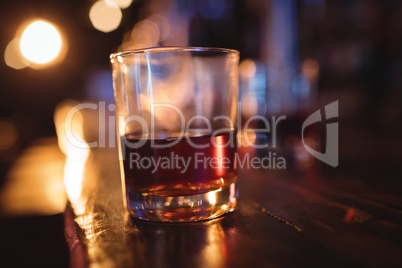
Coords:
330,156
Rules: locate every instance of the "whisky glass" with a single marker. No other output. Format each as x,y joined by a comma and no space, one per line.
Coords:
176,110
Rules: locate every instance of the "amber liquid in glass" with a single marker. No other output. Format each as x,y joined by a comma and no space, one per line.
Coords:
179,169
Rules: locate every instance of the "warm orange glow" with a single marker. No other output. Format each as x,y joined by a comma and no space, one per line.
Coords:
13,56
247,68
40,42
76,155
246,137
214,253
349,215
219,149
105,16
163,25
8,135
62,127
310,68
145,34
122,126
74,171
121,3
150,32
79,178
33,184
219,154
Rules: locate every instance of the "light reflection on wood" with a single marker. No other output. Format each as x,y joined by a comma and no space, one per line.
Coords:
34,184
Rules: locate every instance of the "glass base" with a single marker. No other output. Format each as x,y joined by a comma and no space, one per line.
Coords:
186,208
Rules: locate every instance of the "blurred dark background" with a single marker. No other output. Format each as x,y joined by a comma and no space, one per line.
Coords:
346,50
296,57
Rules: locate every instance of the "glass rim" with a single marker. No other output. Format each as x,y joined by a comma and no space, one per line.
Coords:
151,50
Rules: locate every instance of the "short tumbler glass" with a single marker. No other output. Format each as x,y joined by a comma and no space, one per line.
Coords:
176,110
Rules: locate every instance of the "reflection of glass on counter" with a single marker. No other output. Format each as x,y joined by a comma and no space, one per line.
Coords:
91,176
76,155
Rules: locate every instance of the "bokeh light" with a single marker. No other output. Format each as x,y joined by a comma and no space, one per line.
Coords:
8,134
163,25
13,56
121,3
247,68
105,16
40,42
150,32
310,68
146,33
